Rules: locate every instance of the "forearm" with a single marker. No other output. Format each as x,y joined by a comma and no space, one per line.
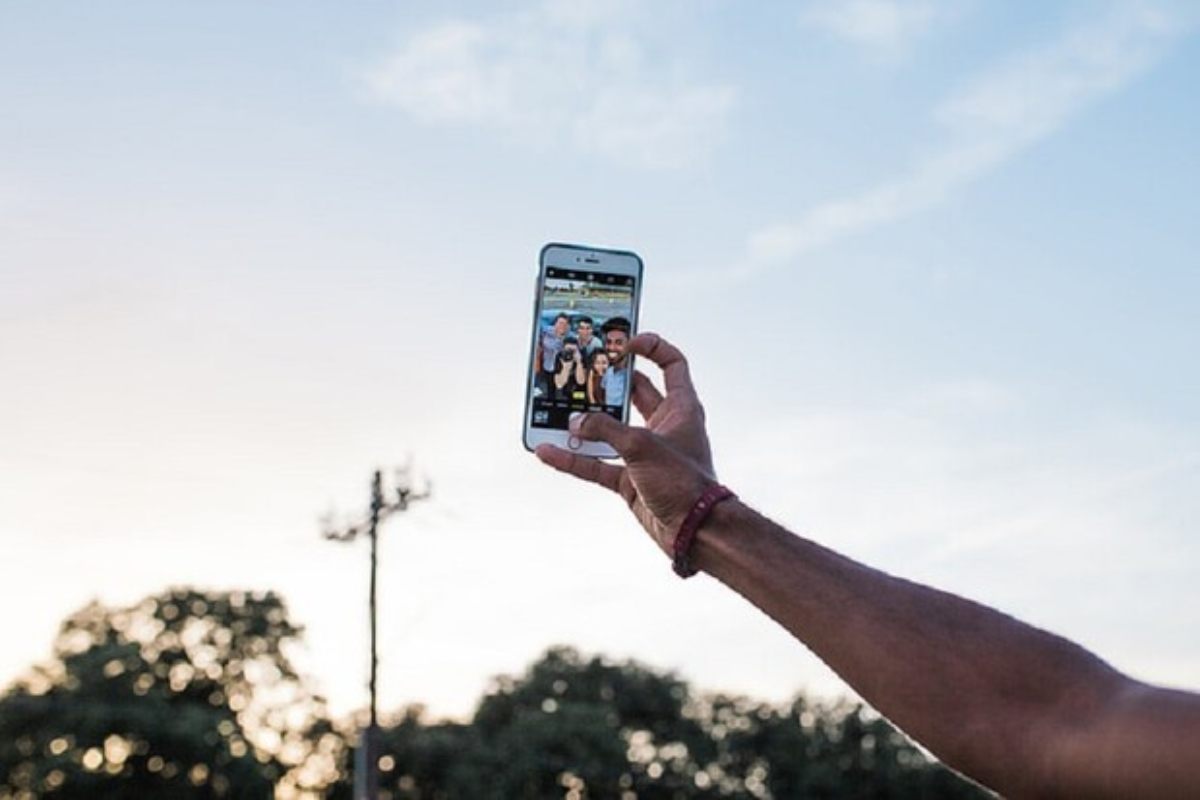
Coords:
1021,710
971,684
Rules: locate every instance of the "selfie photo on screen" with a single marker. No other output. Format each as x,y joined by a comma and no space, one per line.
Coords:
580,362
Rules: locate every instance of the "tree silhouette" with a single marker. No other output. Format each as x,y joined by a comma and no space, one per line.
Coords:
187,694
583,727
191,695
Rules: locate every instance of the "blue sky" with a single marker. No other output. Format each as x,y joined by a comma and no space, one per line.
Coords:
934,264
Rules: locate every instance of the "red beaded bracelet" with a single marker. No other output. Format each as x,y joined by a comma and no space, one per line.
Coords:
686,536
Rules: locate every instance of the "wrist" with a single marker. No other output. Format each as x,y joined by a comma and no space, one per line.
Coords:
713,497
716,543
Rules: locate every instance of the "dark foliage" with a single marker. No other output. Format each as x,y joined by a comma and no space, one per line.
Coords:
576,727
191,695
184,695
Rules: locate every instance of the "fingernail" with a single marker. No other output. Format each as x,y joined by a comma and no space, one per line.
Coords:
574,421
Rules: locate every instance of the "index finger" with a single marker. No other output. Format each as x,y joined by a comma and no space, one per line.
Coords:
676,374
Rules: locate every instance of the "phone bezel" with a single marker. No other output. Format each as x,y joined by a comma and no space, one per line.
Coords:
607,260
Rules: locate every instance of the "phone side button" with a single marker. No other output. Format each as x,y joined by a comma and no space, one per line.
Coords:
574,442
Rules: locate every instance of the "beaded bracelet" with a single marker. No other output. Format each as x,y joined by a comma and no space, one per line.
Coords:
686,536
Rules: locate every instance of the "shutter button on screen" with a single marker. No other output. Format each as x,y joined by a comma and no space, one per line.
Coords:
573,441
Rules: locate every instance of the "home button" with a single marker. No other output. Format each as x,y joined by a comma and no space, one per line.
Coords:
574,442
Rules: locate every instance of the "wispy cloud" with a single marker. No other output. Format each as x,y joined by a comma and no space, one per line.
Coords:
994,118
573,74
879,24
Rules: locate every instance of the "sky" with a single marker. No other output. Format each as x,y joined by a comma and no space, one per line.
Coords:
933,263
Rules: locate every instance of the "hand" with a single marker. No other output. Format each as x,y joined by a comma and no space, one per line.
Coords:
668,463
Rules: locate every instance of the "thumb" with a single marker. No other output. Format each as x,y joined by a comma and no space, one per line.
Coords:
631,443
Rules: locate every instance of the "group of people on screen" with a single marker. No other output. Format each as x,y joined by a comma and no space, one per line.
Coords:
578,364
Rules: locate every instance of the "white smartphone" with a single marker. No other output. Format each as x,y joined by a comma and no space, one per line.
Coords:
585,311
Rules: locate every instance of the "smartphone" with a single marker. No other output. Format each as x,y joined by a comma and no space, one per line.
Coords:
585,312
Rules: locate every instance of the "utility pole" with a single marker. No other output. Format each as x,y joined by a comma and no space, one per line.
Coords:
402,493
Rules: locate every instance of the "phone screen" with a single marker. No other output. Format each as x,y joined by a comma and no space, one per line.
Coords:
584,322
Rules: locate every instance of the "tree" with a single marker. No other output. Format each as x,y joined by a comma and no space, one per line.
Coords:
563,729
583,727
573,723
192,695
186,694
814,751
